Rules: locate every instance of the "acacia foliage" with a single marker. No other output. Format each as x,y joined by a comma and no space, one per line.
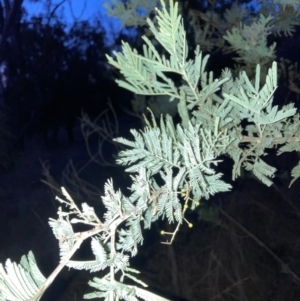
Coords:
174,166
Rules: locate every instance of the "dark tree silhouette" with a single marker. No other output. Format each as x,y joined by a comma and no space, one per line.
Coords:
61,72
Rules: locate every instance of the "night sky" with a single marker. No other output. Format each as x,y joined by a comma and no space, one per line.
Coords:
79,10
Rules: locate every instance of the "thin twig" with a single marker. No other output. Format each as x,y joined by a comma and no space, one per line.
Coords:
226,290
284,266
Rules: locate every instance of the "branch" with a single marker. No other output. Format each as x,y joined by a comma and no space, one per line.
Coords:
282,140
80,237
11,14
54,10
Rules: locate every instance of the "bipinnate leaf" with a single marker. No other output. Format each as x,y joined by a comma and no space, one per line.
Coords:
21,282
